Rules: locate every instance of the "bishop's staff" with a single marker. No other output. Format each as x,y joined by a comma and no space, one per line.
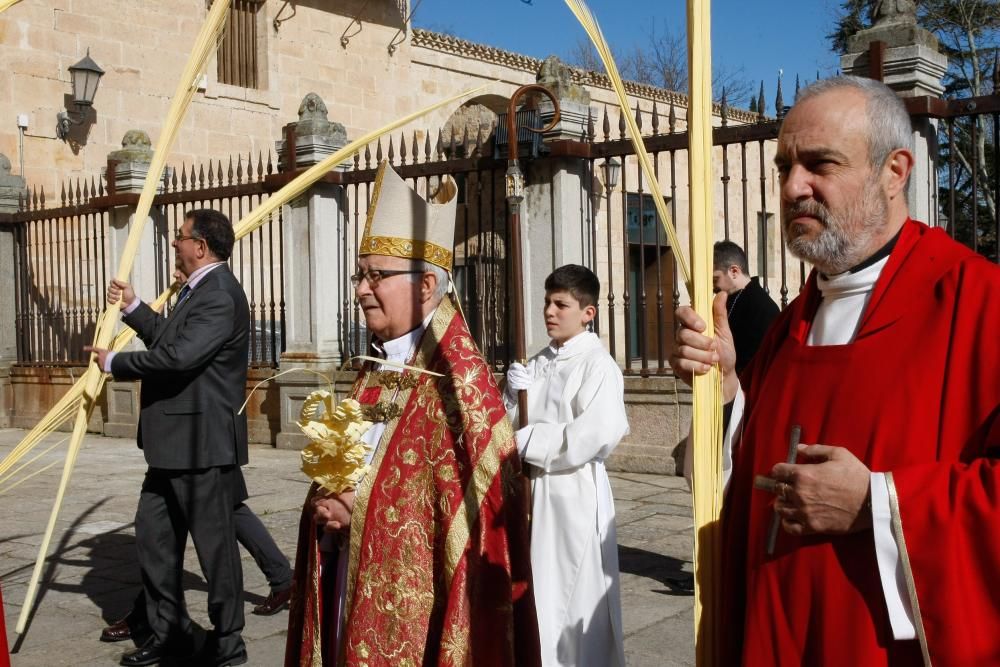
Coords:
515,195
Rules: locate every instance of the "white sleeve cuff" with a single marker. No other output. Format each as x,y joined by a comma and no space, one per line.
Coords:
127,310
108,358
523,435
890,567
730,439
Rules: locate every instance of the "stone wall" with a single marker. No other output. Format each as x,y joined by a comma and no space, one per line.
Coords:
143,48
659,412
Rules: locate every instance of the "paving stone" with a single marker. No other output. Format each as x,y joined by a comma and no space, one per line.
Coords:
92,577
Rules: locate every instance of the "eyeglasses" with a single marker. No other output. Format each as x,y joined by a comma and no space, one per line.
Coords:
375,276
179,237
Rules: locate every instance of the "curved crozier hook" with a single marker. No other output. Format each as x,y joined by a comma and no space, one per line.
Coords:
512,114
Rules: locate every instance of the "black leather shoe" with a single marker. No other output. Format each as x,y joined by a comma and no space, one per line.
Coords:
238,659
149,653
273,603
117,632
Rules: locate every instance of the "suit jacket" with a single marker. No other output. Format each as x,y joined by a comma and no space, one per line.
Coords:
194,374
751,312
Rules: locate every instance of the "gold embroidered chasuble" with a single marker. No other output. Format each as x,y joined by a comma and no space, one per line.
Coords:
438,569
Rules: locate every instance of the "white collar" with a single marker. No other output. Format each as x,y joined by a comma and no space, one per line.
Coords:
400,348
578,344
847,283
200,273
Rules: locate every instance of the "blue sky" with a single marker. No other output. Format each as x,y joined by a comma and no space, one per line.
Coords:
761,36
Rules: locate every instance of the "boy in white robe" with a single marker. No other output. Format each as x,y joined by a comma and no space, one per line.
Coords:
576,417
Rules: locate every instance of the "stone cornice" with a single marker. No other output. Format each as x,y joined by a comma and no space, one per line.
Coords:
436,41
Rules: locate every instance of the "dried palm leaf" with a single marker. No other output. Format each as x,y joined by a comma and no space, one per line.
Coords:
204,46
589,23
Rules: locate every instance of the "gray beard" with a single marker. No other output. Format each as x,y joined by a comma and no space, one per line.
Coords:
844,241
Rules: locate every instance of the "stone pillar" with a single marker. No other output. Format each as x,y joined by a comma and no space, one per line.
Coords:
555,227
131,164
913,66
11,188
311,236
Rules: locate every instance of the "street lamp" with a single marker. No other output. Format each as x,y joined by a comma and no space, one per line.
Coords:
85,75
612,172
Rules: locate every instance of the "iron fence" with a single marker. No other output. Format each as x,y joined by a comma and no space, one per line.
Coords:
62,262
967,182
59,275
640,279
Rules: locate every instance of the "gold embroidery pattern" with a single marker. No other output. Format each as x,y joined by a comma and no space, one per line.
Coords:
363,493
407,248
395,380
414,511
383,411
475,494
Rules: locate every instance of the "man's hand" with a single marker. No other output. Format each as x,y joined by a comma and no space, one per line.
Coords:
119,289
827,495
695,353
333,512
102,354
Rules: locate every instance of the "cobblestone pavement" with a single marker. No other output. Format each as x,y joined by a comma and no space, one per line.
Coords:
91,575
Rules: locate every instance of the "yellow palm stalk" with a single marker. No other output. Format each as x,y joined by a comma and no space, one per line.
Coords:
69,403
204,45
706,429
303,181
706,414
81,396
5,4
589,23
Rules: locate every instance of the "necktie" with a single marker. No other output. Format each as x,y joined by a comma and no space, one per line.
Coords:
185,291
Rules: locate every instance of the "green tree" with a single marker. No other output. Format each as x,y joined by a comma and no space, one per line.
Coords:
968,32
660,59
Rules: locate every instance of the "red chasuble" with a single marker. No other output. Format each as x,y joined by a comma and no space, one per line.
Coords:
439,569
916,395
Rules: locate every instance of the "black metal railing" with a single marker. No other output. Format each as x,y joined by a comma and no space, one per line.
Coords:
637,268
62,265
968,176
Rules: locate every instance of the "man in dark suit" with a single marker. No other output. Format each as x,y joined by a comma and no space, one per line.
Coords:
750,309
194,381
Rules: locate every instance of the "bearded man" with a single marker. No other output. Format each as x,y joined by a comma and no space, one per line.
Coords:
427,561
888,357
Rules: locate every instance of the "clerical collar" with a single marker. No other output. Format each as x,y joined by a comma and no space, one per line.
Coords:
879,255
581,342
399,348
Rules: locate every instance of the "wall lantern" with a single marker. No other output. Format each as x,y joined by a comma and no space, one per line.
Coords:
85,74
612,172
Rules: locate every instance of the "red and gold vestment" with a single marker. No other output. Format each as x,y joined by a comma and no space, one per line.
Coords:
439,570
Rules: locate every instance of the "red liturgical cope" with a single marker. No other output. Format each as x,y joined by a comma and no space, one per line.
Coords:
916,395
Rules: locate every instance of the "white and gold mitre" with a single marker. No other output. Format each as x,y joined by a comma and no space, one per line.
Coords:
401,224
